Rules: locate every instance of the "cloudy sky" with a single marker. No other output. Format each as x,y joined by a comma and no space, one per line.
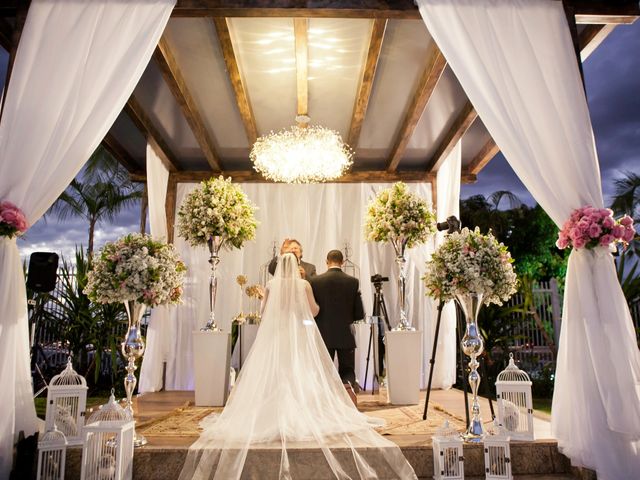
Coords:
612,76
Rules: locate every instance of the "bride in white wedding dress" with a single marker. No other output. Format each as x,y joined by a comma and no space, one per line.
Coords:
289,397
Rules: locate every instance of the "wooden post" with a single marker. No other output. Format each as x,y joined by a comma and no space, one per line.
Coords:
170,205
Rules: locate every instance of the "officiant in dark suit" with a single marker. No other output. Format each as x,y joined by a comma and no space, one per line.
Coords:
338,296
291,245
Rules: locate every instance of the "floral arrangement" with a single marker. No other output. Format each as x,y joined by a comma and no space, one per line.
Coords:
12,220
470,262
396,213
255,291
590,227
217,208
136,267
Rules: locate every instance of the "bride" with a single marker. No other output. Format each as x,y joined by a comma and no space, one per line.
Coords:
289,399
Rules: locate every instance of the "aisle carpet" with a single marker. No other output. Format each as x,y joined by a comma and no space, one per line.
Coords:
400,420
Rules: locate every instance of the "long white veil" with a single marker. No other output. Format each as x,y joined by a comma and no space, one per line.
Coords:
289,401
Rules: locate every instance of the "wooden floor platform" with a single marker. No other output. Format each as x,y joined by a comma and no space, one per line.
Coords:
169,422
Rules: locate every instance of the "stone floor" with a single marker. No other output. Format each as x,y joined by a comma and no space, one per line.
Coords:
163,456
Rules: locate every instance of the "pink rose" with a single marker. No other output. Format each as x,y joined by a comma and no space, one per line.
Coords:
627,221
608,222
574,233
579,242
594,230
617,231
628,235
605,240
562,243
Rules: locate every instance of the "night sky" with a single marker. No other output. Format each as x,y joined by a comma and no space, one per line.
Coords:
612,76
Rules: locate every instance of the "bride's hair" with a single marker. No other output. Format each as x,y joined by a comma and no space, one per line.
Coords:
287,266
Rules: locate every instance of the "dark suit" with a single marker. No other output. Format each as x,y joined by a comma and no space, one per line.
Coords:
338,296
309,268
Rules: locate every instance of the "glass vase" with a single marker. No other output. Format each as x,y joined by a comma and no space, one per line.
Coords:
472,345
214,243
133,349
400,245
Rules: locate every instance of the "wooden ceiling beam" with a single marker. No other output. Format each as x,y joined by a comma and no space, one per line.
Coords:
176,83
461,124
143,123
366,81
591,37
230,60
301,32
118,152
426,86
587,11
483,157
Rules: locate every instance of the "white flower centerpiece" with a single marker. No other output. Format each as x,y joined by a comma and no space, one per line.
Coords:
141,272
220,215
474,269
402,218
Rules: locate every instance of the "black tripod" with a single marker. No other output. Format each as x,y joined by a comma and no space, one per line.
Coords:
381,319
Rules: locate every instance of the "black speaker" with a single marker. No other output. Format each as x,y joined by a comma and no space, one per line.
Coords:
43,271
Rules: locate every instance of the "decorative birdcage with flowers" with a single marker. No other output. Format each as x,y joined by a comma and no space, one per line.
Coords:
107,449
52,455
448,457
515,402
66,404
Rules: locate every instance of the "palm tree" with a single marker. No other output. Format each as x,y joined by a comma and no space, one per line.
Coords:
627,196
99,192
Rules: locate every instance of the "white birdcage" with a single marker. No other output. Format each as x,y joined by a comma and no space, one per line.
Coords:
497,454
52,454
515,404
107,449
448,459
66,404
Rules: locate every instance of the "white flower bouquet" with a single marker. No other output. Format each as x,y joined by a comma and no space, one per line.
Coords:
136,267
217,208
469,262
398,214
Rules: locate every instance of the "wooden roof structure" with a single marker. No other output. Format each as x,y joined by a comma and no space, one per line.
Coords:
226,72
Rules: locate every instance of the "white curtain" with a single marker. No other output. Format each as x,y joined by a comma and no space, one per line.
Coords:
159,329
516,62
321,217
448,203
76,65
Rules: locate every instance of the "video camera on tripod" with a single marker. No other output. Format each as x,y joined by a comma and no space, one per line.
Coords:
378,279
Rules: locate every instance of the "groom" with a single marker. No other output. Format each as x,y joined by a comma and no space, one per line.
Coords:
338,296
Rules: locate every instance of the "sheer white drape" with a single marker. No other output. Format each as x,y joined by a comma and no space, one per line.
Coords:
516,62
160,328
448,203
321,217
76,65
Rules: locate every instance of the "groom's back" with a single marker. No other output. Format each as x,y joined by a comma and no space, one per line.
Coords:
340,303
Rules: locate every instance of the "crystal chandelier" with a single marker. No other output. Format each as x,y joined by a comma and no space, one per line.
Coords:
301,154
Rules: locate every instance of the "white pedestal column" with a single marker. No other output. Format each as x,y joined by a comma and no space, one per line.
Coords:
211,356
403,356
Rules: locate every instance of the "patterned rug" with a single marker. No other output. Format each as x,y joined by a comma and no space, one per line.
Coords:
400,420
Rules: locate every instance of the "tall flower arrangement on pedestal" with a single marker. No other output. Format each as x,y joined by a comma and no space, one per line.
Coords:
400,217
474,269
139,271
220,215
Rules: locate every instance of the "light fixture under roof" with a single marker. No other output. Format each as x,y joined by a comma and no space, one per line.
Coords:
301,154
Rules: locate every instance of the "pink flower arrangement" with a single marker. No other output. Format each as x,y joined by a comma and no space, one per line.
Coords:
589,227
12,220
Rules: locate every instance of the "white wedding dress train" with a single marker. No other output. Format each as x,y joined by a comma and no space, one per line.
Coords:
289,395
